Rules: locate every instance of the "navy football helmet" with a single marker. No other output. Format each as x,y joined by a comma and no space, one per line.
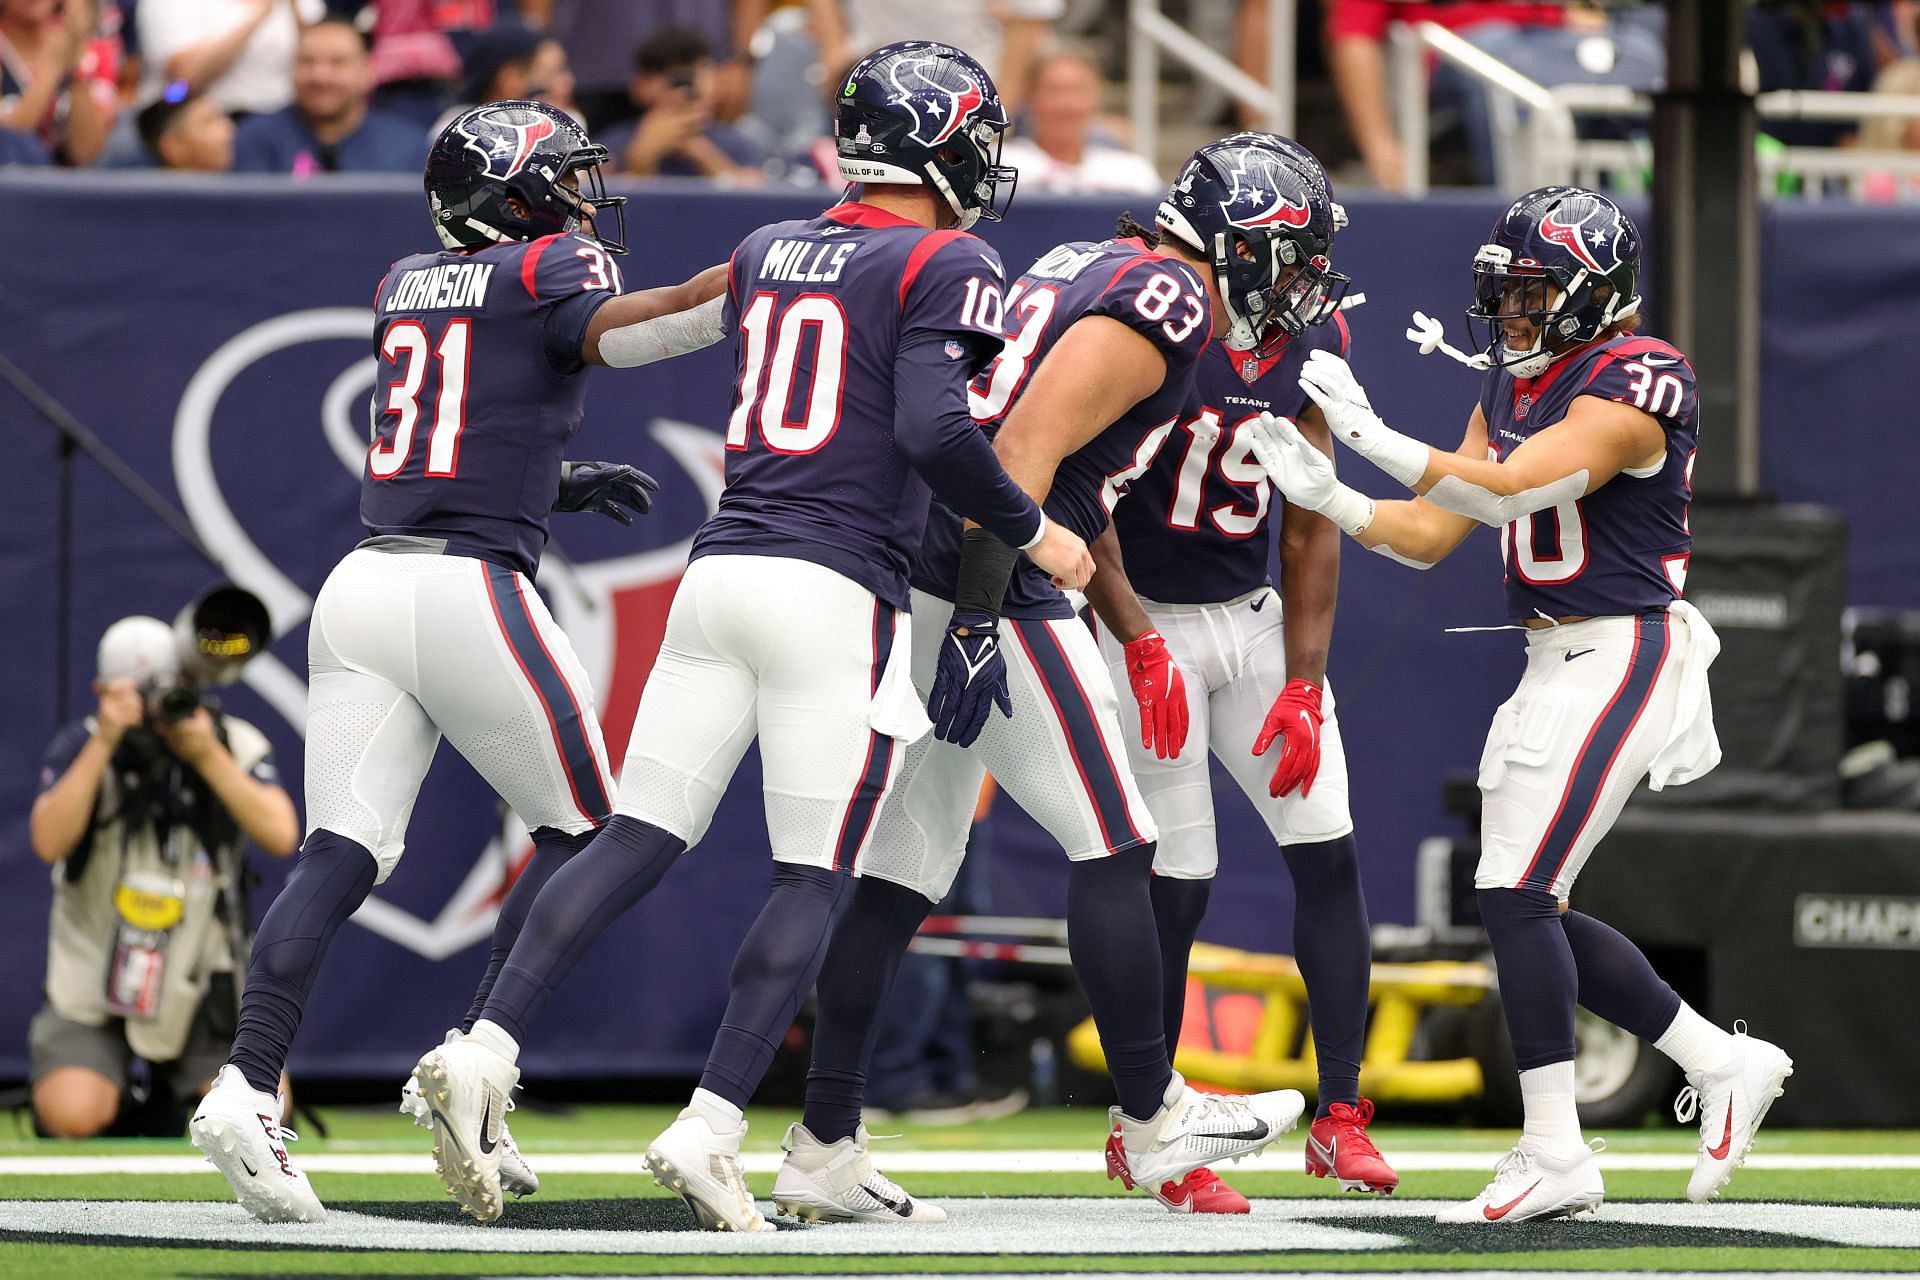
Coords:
524,150
919,112
1563,258
1259,207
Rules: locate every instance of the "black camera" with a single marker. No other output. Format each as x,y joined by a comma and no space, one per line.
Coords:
170,702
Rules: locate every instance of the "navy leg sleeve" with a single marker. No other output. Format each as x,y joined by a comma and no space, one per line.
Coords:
772,974
552,849
1334,948
328,884
1178,906
869,941
1616,981
621,865
1538,982
1116,955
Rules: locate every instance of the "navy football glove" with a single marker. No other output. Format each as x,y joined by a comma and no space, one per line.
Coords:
970,680
605,488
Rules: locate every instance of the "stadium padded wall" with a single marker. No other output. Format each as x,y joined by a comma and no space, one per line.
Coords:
216,335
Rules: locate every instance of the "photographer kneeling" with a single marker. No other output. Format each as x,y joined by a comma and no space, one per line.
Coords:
143,812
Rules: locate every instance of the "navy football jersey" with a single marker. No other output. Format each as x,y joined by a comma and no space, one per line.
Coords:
1194,526
480,388
1158,296
821,308
1623,548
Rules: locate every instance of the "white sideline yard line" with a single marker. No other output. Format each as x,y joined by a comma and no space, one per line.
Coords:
910,1162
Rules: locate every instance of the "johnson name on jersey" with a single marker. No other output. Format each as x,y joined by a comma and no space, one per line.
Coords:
1194,525
1623,548
479,390
1156,295
826,309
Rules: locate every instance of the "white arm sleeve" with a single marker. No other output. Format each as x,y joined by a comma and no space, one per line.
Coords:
663,337
1463,497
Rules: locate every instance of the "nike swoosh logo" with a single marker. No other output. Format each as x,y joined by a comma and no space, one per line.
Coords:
992,265
1326,1152
1245,1135
486,1116
1259,604
1571,654
251,1171
904,1208
1726,1137
833,231
1658,362
1494,1215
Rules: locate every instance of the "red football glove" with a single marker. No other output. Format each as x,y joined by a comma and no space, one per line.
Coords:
1161,692
1295,720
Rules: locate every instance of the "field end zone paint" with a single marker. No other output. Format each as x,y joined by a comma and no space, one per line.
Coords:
1036,1227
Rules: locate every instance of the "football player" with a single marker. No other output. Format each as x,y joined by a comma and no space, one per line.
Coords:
857,331
1102,338
431,626
1192,539
1580,453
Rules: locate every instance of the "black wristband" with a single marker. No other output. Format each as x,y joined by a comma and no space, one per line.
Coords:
986,566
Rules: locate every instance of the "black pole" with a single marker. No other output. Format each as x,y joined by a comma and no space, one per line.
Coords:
63,588
1706,233
76,435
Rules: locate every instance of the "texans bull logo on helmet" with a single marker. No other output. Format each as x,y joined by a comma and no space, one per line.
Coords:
939,110
515,143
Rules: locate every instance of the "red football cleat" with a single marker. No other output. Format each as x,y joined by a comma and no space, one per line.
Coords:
1201,1192
1337,1144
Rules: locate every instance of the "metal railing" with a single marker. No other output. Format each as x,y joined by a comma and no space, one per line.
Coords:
1536,141
1150,33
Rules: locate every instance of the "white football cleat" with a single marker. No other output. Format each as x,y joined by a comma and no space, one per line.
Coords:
1194,1129
1531,1183
836,1182
1731,1103
517,1177
468,1090
238,1128
701,1165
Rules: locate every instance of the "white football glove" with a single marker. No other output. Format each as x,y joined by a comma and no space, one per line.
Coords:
1304,475
1330,383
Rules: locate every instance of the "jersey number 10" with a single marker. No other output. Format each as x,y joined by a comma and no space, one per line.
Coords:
766,385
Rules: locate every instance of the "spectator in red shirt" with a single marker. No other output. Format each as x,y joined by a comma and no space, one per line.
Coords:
55,83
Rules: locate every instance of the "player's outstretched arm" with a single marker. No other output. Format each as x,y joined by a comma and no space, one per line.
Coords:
1416,533
656,324
1595,442
1158,687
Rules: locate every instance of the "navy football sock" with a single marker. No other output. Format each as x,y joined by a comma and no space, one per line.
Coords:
618,868
772,974
332,878
552,848
1116,955
1538,982
1616,981
1178,906
869,940
1334,948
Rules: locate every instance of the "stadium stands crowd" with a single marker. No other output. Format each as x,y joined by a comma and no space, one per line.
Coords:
738,93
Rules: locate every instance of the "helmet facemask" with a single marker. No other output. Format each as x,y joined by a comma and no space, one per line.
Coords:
1273,288
1504,292
570,208
968,174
